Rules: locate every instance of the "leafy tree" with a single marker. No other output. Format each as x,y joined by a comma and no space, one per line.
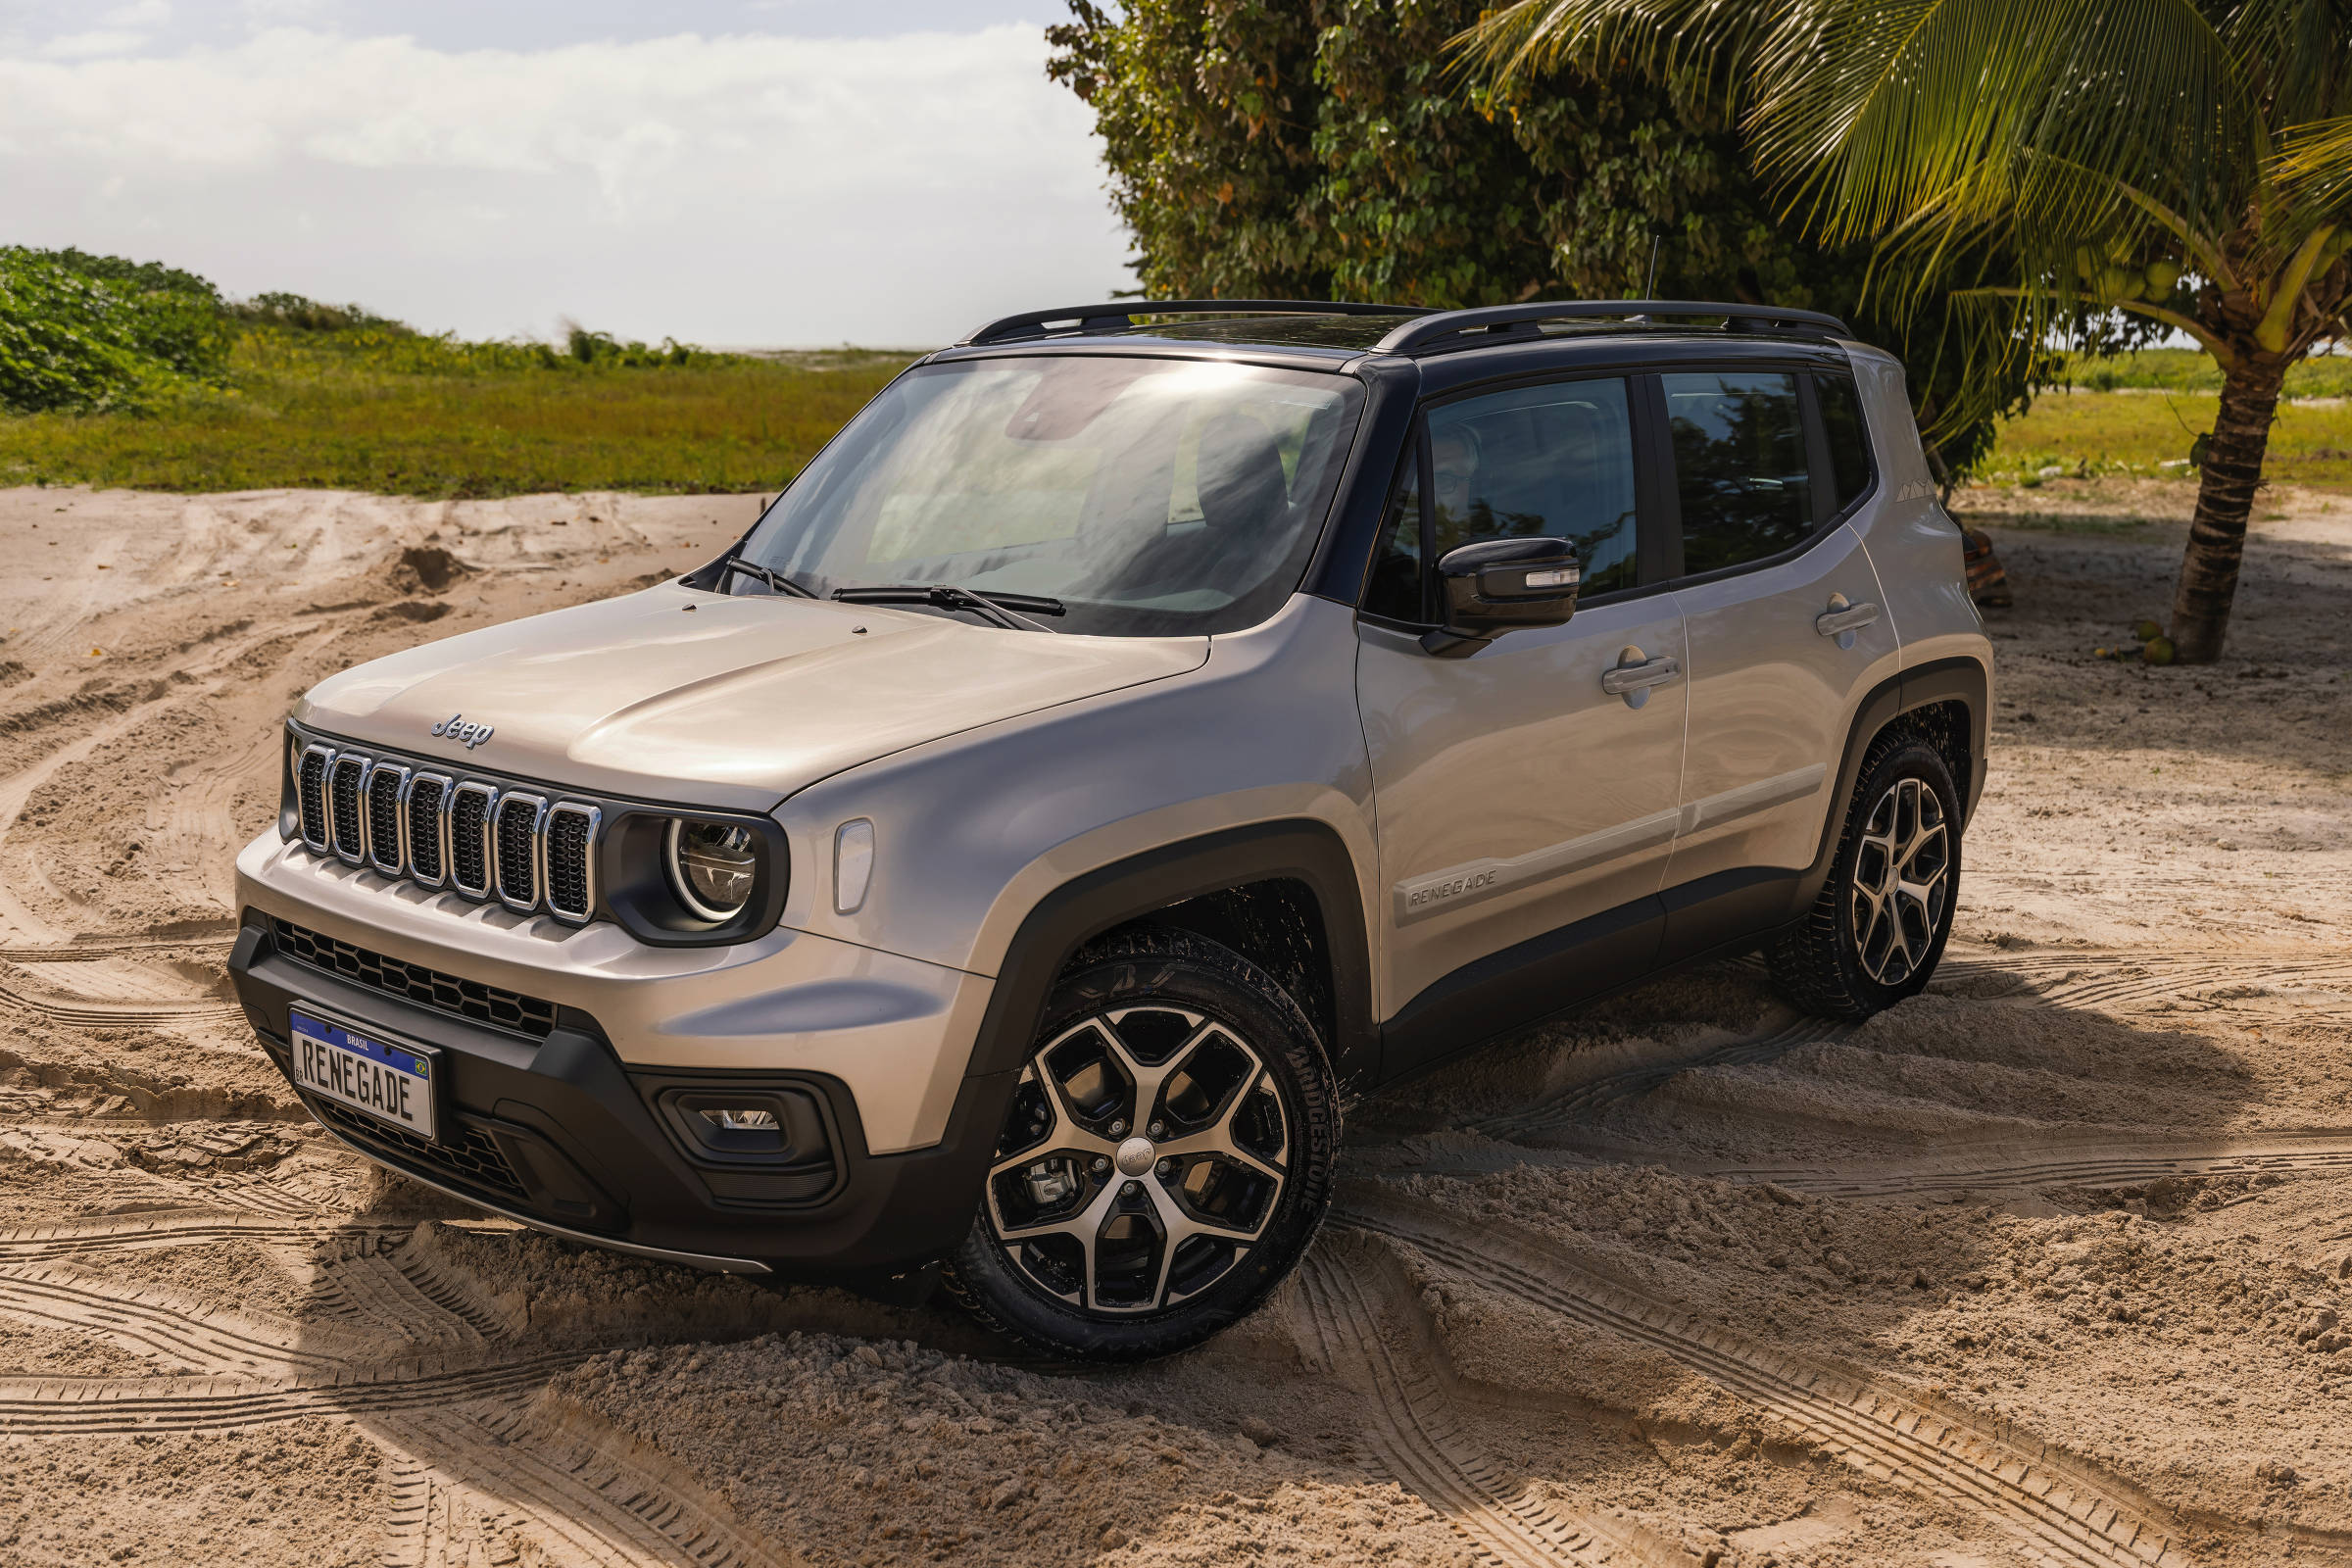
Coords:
1325,150
2176,163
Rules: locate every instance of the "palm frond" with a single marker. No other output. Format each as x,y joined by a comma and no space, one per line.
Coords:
1896,102
2314,169
1703,48
2294,55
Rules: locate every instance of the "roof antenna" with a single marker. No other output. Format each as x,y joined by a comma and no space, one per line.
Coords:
1651,291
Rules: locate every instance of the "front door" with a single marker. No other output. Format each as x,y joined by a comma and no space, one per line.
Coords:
1526,795
1787,631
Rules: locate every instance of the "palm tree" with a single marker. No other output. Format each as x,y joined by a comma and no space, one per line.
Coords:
2184,163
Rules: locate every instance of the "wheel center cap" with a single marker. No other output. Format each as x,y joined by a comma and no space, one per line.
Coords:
1134,1157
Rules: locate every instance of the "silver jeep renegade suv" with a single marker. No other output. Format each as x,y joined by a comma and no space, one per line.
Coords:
1120,742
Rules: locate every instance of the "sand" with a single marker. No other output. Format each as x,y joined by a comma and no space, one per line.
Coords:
2053,1264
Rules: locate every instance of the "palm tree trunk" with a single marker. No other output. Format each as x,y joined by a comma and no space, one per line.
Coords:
2217,534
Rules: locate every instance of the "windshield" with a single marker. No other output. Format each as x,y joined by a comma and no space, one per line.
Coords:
1152,497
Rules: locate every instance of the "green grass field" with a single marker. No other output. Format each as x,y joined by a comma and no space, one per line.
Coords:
401,417
2147,433
404,414
2138,413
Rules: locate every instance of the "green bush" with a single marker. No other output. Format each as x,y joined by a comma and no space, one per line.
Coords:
90,332
82,333
301,315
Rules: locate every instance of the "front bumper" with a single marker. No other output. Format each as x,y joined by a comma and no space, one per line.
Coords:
553,1117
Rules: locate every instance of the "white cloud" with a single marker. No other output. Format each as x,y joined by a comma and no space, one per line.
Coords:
85,45
127,28
738,189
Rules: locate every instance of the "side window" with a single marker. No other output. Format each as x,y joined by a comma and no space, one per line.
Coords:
1554,461
1849,436
1740,465
1396,587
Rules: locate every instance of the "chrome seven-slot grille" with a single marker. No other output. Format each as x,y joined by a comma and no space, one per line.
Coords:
439,830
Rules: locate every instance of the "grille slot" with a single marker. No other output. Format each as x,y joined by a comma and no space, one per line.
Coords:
465,1154
516,819
414,982
343,806
427,792
469,837
388,844
310,790
571,834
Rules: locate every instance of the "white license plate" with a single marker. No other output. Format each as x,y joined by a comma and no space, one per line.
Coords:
393,1083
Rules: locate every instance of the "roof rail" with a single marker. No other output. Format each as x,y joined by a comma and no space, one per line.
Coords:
1117,317
1434,327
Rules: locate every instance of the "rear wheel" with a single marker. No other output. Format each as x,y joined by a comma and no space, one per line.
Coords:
1165,1160
1878,928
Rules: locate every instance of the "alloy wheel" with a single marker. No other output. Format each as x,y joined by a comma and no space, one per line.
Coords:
1144,1152
1901,881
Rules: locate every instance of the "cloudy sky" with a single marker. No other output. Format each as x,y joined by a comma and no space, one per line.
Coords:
725,172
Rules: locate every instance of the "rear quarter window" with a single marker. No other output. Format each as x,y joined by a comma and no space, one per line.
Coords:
1849,436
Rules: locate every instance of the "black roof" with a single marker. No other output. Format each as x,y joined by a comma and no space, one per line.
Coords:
1353,327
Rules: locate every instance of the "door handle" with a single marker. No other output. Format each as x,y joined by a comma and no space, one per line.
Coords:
1632,681
1842,619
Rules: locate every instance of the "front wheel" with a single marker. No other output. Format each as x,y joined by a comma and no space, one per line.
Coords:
1165,1160
1878,930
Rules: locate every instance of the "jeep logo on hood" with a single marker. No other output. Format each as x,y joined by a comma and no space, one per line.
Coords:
456,729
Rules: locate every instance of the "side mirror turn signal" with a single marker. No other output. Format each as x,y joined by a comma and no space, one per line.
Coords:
1500,585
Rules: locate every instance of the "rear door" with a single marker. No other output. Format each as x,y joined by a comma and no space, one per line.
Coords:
1525,810
1787,631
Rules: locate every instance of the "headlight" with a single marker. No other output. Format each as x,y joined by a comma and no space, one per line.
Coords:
711,866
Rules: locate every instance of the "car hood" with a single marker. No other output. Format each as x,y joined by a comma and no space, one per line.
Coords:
675,694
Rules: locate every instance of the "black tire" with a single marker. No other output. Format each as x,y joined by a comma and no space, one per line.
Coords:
1860,950
1226,1037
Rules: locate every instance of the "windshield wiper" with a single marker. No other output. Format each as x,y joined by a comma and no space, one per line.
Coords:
782,584
994,608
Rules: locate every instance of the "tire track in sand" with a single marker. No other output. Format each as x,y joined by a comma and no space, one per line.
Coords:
2161,976
259,1193
2059,1508
1421,1444
565,1490
408,1300
88,951
2098,1161
106,1407
89,1013
155,1232
490,1471
1565,1110
163,1324
2137,976
16,922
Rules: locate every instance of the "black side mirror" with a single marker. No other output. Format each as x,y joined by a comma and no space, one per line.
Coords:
1500,585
